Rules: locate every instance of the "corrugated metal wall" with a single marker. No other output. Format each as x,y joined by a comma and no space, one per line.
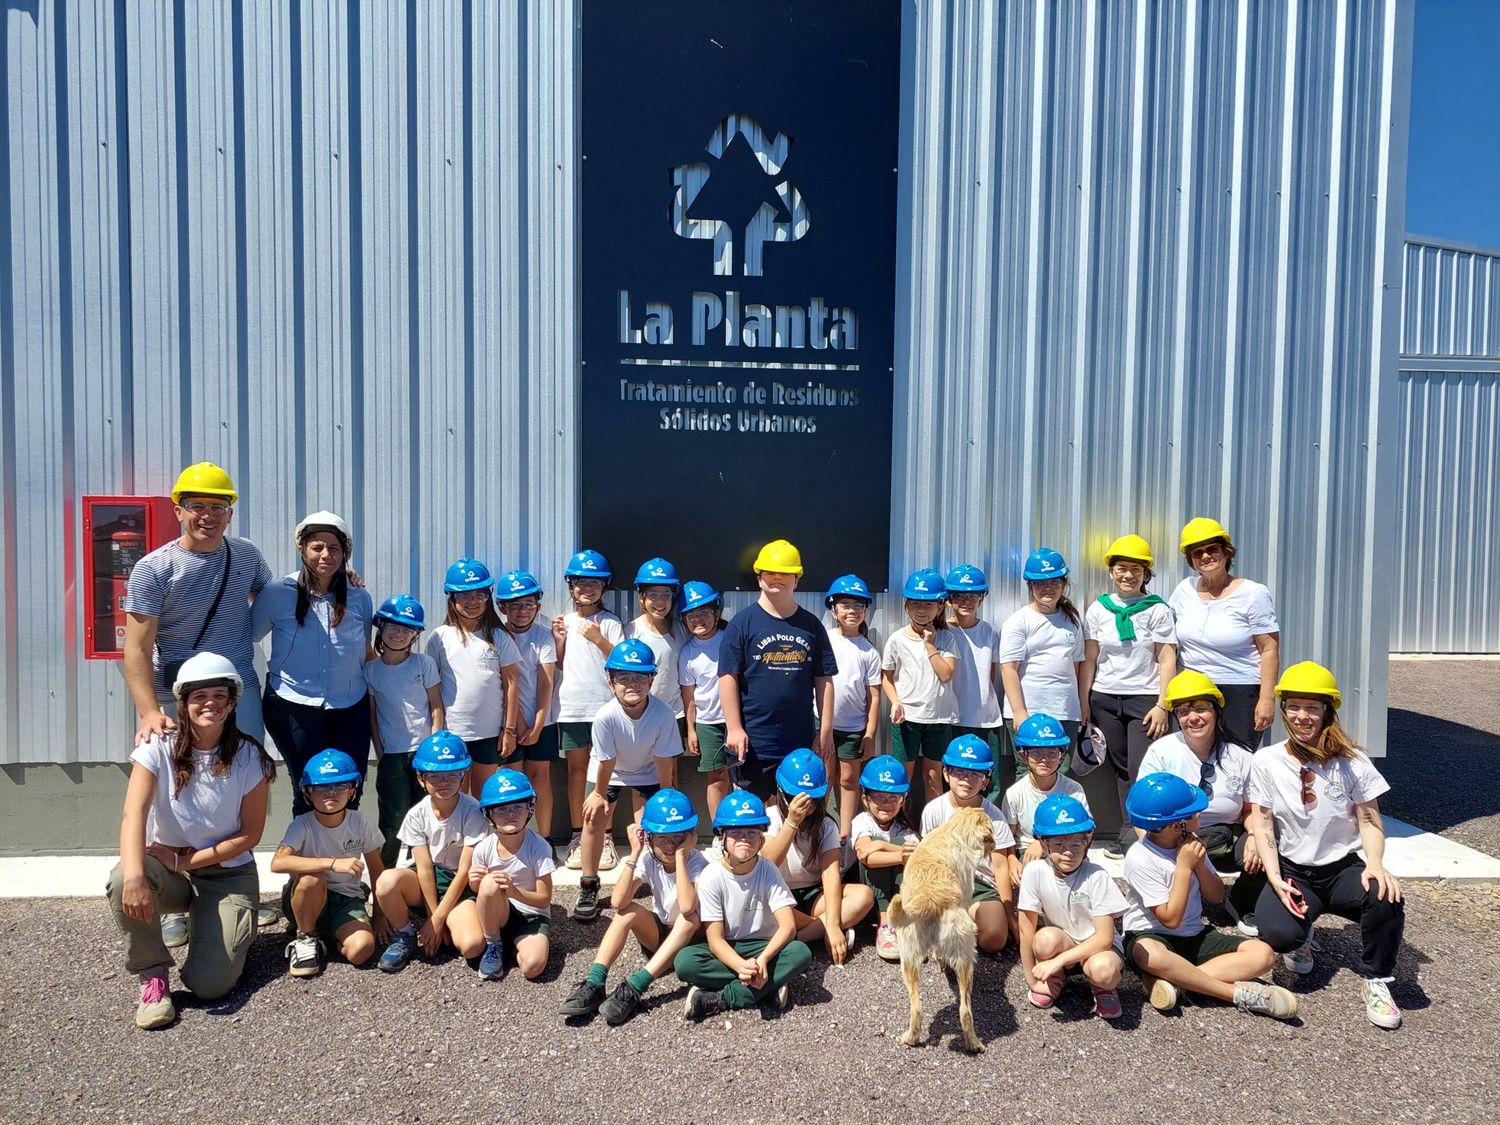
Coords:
1148,253
1448,526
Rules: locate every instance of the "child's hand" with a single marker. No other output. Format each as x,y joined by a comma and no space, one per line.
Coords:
595,805
507,745
926,633
382,929
476,876
636,837
500,879
1015,876
692,744
752,973
907,851
838,948
534,731
1191,853
559,630
798,810
737,742
898,714
589,631
1042,970
349,865
430,936
866,747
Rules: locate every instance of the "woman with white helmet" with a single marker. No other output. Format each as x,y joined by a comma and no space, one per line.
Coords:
319,621
195,806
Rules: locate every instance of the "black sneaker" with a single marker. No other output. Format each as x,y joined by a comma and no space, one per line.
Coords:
586,909
701,1004
305,955
621,1004
584,1000
1115,849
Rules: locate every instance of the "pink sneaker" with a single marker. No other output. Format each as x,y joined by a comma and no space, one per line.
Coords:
155,1009
1045,994
1107,1003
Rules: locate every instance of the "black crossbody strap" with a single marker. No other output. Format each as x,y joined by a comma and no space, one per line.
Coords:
213,609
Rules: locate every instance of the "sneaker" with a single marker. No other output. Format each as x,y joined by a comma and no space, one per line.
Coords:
701,1004
608,858
399,952
586,909
583,1000
621,1004
305,955
1300,960
848,942
574,862
885,943
1045,994
492,961
1265,1000
1246,925
1160,994
1115,849
267,916
1107,1003
782,1000
155,1008
174,930
1380,1009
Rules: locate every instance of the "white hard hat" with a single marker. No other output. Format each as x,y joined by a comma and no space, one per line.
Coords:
325,519
206,668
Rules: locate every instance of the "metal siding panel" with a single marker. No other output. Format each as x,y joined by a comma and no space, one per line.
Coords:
1452,300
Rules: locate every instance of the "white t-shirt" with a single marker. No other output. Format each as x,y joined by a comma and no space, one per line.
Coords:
445,839
864,825
925,697
1325,831
1020,802
746,904
353,836
1128,667
698,668
974,679
207,811
535,647
798,868
667,649
402,714
1217,637
663,883
633,744
1149,871
533,860
1230,781
859,671
940,809
473,692
1072,902
582,685
1048,647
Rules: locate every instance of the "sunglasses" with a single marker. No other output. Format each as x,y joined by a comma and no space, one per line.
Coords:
1206,778
1307,777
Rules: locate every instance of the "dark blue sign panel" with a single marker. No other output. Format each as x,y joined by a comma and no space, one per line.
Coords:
739,239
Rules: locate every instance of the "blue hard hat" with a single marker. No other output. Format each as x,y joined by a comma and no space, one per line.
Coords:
505,787
403,609
1160,799
1061,815
330,767
1044,563
1041,729
925,585
467,574
668,810
516,584
848,586
588,564
802,771
741,809
967,579
631,655
695,595
969,752
657,572
885,774
441,752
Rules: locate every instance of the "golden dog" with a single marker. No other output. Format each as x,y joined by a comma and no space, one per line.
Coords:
931,914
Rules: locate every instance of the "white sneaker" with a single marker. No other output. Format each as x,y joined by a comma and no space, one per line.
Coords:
1300,960
608,858
848,942
1246,925
1379,1007
574,862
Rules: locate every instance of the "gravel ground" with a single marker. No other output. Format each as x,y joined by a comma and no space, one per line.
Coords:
433,1043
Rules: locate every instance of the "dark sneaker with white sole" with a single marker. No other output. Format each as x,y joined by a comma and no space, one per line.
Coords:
304,954
701,1004
621,1004
586,909
584,1000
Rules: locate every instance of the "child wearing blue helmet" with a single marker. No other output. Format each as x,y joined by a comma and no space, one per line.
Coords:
511,875
974,679
884,839
698,680
325,851
856,688
519,596
919,662
1041,742
967,765
656,591
665,860
1041,650
441,830
1167,874
802,840
750,953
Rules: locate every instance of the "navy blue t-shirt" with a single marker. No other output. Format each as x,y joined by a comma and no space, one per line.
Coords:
776,661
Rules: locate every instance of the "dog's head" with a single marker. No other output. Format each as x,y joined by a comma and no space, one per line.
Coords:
973,827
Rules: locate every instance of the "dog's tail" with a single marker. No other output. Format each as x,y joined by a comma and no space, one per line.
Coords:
896,915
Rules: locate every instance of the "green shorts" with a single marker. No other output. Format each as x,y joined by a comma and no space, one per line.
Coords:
484,751
912,741
520,924
444,879
806,896
337,912
711,738
846,744
983,892
884,884
575,736
544,749
1205,945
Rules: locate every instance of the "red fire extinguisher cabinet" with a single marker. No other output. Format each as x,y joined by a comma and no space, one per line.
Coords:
118,531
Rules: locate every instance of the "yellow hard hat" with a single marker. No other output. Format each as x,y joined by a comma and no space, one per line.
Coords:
1201,529
1131,547
203,479
1191,685
1309,679
779,557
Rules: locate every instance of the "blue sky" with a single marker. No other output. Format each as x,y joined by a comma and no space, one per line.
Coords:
1453,168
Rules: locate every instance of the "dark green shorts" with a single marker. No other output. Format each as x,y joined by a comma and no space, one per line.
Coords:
520,924
846,744
806,896
912,741
983,892
884,884
484,751
1203,946
444,879
337,912
544,749
575,736
711,738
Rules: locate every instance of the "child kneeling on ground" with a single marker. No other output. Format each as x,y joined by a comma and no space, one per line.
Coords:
511,874
1067,909
662,851
1167,873
884,839
752,952
322,852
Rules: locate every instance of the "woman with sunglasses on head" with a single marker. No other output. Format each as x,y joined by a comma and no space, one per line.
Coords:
1315,798
1227,628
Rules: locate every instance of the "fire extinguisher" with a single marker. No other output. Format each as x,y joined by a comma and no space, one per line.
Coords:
126,548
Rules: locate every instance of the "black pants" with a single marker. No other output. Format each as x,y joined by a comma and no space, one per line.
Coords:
1239,712
300,731
1230,860
1336,888
1120,718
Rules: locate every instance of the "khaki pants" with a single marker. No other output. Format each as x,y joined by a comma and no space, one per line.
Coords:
220,903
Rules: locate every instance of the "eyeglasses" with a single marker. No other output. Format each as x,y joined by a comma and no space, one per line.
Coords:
1200,707
743,833
1042,753
199,508
1206,777
333,790
1309,796
523,603
396,627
